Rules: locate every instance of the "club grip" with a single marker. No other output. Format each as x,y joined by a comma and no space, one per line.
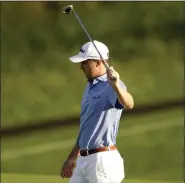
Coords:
107,68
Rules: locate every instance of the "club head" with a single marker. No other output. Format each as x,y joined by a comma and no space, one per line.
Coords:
68,9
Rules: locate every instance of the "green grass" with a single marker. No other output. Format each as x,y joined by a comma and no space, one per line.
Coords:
52,93
39,82
33,178
152,146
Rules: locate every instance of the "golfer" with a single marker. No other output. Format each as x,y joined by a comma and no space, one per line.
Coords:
95,157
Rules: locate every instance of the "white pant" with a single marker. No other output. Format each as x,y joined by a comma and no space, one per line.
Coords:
101,167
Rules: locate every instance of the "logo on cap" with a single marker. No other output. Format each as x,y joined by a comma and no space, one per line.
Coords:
81,50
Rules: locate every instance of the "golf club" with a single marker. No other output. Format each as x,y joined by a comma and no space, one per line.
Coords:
69,9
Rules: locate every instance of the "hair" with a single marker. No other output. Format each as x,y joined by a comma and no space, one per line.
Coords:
106,60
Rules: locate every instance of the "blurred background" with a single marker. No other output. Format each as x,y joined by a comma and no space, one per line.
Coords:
41,90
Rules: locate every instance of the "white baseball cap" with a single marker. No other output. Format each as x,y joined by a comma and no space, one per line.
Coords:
88,51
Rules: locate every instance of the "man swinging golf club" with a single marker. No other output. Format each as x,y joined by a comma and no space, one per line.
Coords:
95,157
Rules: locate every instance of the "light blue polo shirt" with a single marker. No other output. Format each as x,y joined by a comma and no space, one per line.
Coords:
100,114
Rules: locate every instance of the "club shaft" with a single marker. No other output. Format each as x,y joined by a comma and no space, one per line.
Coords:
79,20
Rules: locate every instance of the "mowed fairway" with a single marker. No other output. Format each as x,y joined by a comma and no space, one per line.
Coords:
151,144
32,178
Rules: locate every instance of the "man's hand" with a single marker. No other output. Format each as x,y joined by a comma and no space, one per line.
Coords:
124,98
70,163
113,76
68,167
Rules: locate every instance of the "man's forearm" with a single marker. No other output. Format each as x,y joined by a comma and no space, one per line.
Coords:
124,97
74,153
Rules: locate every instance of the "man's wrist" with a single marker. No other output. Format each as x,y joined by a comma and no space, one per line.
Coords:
116,85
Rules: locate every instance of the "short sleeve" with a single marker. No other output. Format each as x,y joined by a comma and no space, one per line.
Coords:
113,99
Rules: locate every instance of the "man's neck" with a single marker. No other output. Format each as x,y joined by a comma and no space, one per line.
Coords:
91,80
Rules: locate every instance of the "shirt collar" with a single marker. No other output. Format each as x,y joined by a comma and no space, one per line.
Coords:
101,78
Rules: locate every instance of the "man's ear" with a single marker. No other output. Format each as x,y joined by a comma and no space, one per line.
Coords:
98,63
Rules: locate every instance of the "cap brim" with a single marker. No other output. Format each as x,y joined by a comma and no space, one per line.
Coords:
77,59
